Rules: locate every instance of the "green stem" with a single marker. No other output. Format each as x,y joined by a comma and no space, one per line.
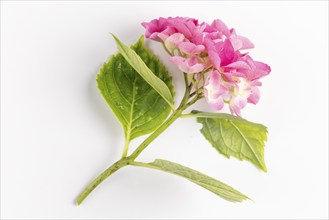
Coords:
127,160
156,133
109,171
141,164
189,115
125,149
186,80
165,125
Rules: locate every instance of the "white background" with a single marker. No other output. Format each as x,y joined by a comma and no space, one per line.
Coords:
57,133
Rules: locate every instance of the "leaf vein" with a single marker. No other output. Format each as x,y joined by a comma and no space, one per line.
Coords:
247,142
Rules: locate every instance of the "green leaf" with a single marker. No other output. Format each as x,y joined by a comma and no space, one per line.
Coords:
207,182
234,136
139,108
142,69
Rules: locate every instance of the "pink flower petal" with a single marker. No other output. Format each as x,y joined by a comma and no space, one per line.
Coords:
240,64
226,52
256,70
157,26
162,36
214,58
246,43
190,65
181,27
263,68
221,27
237,104
191,48
177,59
214,90
212,53
173,41
254,96
240,42
216,103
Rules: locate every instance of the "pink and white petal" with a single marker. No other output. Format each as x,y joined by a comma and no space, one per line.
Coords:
217,104
180,62
213,78
190,65
213,86
236,104
254,96
173,41
196,68
177,60
228,75
193,65
243,88
186,68
235,110
214,90
191,48
163,36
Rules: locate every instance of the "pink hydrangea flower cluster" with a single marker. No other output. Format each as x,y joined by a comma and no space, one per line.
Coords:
214,50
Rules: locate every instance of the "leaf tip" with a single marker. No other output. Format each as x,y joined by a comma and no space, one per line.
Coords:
78,202
115,38
250,199
141,39
262,167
